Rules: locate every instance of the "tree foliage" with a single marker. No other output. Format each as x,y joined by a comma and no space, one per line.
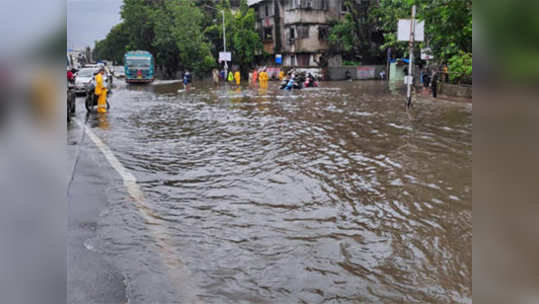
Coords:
448,28
241,38
113,46
185,34
460,66
182,34
448,25
356,36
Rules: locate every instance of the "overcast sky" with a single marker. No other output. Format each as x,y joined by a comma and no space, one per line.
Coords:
90,20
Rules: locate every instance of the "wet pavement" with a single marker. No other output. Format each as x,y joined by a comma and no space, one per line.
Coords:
325,195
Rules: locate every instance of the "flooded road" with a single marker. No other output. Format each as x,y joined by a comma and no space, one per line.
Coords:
325,195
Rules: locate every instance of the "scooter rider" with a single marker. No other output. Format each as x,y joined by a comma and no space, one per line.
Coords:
101,91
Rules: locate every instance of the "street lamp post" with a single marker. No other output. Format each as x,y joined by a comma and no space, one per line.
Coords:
224,36
224,41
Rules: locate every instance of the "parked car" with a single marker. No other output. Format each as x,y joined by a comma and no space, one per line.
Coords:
85,77
119,72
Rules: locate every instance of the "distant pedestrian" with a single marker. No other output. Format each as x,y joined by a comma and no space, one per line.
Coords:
348,75
255,76
237,77
281,75
434,84
446,73
263,78
230,77
186,79
426,78
222,75
215,76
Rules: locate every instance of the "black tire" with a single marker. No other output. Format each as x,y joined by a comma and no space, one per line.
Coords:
73,104
70,102
88,102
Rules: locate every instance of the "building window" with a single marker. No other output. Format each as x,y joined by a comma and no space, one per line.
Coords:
303,60
323,32
306,4
268,33
292,34
267,10
303,31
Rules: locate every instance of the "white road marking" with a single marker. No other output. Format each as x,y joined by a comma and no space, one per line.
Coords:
177,270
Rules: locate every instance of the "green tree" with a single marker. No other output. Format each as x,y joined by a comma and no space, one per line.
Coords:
342,36
183,34
460,67
137,16
241,37
167,53
448,25
113,46
246,41
356,36
186,31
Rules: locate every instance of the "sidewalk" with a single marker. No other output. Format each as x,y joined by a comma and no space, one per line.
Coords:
90,278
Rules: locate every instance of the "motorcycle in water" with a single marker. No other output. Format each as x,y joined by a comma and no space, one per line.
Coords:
311,83
289,84
91,99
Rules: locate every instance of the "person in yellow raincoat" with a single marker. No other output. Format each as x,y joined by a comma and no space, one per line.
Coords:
281,75
263,78
237,76
230,77
101,92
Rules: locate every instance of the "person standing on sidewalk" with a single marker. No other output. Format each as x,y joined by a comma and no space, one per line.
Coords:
446,73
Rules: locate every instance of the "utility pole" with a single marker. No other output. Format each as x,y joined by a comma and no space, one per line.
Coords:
224,36
411,60
224,42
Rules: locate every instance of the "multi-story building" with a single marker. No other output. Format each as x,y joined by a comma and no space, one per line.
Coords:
297,30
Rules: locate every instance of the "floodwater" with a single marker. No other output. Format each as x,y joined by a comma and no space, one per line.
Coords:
326,195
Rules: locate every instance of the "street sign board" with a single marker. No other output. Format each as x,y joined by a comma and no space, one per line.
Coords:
426,54
405,29
408,80
225,56
365,73
279,59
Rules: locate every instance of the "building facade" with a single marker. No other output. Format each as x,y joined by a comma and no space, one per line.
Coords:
298,30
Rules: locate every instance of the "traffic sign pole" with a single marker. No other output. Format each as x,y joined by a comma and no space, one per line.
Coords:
411,61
